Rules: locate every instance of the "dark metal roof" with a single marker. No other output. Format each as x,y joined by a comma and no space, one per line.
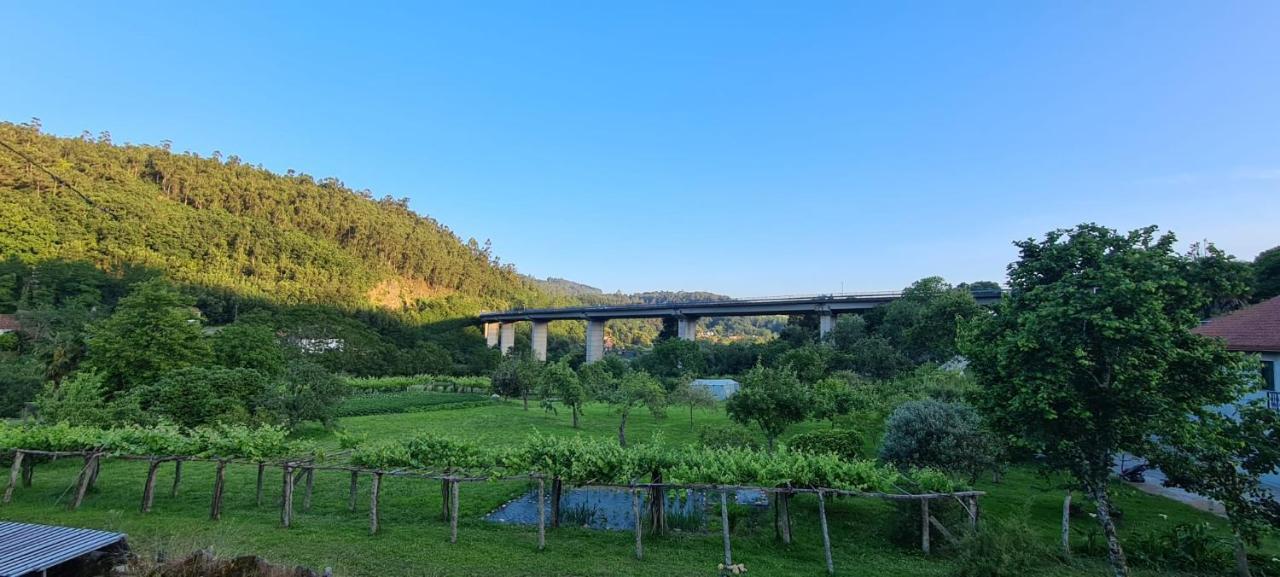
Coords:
26,548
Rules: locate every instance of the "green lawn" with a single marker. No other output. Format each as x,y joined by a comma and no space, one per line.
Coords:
414,540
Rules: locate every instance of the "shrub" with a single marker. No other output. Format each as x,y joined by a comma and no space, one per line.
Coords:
727,437
20,381
845,443
941,435
1185,546
1002,548
311,393
79,400
196,396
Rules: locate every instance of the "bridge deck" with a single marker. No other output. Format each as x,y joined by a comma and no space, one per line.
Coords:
818,304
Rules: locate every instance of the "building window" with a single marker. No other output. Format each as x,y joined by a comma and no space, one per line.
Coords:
1269,375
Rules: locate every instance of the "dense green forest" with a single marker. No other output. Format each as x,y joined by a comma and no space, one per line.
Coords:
219,223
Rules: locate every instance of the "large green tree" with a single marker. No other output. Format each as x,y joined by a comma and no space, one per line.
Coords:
1266,271
154,330
773,398
1091,354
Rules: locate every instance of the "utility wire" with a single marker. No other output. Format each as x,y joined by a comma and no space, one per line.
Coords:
57,178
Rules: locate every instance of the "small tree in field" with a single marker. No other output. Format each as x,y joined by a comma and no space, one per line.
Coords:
772,398
631,391
1091,354
685,393
559,380
516,376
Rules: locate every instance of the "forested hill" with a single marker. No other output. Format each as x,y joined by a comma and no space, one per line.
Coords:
221,223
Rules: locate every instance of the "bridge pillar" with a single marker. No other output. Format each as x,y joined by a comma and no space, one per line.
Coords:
491,334
507,337
595,340
539,339
826,322
687,328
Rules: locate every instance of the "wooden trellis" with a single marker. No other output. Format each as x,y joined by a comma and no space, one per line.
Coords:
305,470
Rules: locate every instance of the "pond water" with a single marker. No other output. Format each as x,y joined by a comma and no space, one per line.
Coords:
610,509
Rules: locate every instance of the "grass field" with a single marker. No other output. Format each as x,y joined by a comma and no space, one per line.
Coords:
415,541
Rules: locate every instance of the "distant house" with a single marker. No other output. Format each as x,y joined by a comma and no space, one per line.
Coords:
9,324
1255,330
721,389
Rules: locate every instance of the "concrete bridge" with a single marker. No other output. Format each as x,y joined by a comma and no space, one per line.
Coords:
500,327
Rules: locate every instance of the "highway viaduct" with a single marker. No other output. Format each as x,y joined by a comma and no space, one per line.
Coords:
500,327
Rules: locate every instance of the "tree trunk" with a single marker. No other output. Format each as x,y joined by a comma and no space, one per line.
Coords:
525,395
622,430
1242,556
575,416
1115,555
690,416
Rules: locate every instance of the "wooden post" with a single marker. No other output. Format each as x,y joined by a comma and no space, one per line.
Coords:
453,519
445,496
219,480
724,527
28,471
373,502
784,514
1066,525
86,477
95,469
262,468
355,485
826,537
14,473
149,490
542,513
924,525
286,503
557,487
177,477
635,508
306,493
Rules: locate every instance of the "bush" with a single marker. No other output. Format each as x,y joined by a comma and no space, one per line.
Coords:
407,402
310,393
727,437
941,435
1185,547
79,400
845,443
20,381
1001,548
196,396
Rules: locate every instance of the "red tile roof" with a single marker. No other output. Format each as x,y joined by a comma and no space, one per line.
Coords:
9,323
1253,329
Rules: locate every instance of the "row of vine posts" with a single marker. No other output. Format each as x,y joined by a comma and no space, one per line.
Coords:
294,470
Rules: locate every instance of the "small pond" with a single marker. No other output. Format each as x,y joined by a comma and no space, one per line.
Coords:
610,508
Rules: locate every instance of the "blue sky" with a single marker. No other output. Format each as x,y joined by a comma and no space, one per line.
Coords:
745,148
